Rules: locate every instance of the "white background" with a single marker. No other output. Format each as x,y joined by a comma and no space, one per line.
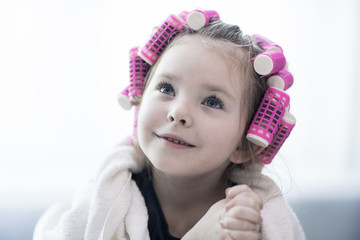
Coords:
62,64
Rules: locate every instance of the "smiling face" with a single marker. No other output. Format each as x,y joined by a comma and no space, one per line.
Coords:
189,121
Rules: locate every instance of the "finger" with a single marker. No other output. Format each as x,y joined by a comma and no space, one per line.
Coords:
226,236
244,213
250,200
235,190
244,191
238,224
244,235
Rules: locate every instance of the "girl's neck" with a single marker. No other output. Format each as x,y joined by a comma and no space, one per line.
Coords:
185,191
184,200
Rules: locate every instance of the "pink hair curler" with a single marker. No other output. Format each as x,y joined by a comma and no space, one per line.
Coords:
197,19
282,80
286,125
267,118
138,71
152,50
136,115
123,99
265,43
183,15
267,63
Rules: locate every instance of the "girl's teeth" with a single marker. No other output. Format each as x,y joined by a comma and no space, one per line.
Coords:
176,141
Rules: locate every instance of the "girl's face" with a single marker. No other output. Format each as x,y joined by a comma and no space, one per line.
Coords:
189,122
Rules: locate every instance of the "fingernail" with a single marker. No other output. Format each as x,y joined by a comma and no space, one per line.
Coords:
227,206
221,222
227,190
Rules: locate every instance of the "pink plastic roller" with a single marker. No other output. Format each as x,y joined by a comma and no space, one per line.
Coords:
267,63
123,99
197,19
286,125
282,80
138,71
267,118
136,115
151,51
183,15
265,43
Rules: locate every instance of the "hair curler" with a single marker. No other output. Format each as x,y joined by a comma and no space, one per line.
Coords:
183,15
286,125
152,50
265,43
265,123
267,63
282,80
136,115
123,99
197,19
138,70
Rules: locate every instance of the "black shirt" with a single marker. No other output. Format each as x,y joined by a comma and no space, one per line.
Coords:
157,225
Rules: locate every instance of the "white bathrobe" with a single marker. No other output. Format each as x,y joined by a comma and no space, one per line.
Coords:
112,207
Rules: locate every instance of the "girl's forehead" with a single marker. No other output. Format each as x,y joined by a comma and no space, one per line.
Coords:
230,59
190,58
209,47
201,63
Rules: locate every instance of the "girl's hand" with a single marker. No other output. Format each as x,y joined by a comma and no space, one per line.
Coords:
235,218
241,218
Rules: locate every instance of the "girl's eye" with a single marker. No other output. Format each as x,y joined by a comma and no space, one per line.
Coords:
166,88
213,102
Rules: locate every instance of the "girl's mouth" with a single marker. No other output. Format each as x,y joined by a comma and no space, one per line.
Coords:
178,142
175,140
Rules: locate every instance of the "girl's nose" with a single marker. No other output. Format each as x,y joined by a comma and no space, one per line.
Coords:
180,115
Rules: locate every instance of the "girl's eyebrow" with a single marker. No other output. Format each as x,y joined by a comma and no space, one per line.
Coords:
219,89
167,76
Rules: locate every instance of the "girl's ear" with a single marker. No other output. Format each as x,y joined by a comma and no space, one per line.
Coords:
241,156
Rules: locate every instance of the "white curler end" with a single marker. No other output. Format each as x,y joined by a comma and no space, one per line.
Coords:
196,20
259,141
287,108
263,65
124,101
289,118
145,58
276,82
274,48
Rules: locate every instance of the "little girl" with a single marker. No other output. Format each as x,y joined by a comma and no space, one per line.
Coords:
192,170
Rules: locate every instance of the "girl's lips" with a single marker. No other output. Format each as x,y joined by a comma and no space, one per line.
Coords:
175,140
